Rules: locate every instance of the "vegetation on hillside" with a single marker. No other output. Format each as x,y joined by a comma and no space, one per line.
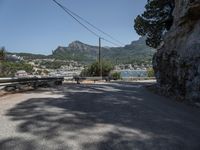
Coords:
155,21
30,56
56,64
8,69
82,57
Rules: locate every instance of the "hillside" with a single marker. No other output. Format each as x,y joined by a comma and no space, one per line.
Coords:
136,52
30,56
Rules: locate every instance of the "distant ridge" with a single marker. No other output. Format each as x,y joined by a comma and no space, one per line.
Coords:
30,56
137,51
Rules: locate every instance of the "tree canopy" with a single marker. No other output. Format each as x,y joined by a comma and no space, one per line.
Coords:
2,53
93,69
155,21
8,69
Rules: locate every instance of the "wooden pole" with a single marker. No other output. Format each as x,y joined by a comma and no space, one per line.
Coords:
100,62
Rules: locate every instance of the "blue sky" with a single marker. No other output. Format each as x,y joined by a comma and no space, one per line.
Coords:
40,26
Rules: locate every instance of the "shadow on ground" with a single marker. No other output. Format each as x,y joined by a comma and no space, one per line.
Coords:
106,117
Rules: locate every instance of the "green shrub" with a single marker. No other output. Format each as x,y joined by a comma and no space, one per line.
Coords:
94,70
150,72
116,76
8,69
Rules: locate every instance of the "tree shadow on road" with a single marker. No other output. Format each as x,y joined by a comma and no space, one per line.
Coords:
109,117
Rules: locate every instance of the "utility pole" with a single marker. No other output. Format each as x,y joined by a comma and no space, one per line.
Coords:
100,62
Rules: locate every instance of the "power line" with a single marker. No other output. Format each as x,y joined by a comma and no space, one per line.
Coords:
95,27
87,28
76,19
110,42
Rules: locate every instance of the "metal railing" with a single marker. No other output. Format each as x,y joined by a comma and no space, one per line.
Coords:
97,78
30,81
78,79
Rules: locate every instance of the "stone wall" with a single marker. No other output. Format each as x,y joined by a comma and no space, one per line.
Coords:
177,61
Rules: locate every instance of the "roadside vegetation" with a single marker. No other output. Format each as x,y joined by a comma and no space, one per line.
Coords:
116,76
2,54
8,69
150,72
94,70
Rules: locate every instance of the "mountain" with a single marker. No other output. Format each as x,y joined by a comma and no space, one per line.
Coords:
77,51
136,52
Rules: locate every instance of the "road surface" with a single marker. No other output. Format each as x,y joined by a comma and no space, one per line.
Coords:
116,116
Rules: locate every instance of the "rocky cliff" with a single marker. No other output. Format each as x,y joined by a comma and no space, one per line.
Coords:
177,61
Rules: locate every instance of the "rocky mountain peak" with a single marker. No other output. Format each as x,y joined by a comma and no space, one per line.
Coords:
76,44
141,40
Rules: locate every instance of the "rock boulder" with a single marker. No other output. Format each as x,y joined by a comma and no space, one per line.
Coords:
177,61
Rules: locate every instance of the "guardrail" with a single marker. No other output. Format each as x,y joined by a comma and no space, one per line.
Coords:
34,82
138,78
78,79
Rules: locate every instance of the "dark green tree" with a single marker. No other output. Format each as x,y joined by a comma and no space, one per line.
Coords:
8,69
2,53
155,21
116,75
93,69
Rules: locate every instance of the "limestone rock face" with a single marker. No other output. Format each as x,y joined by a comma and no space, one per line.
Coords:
177,62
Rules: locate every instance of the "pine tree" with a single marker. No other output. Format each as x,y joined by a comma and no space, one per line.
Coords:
155,21
2,57
2,53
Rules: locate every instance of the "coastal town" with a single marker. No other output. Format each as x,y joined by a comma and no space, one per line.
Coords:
73,68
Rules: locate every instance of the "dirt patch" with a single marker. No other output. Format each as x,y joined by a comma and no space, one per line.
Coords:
5,93
2,93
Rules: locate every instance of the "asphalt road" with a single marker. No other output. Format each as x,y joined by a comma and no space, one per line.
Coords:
117,116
